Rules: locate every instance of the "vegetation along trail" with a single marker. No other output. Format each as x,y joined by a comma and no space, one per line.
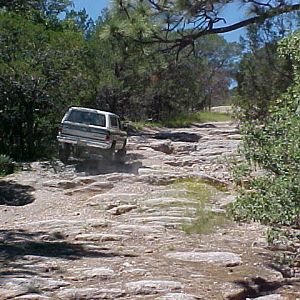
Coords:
153,228
187,216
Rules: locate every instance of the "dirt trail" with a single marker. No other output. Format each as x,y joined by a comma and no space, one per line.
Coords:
95,231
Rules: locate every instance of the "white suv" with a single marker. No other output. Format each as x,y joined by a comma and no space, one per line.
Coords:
86,132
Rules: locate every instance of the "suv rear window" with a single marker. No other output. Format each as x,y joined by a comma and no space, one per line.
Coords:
86,117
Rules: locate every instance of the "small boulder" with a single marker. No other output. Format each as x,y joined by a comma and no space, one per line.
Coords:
178,296
122,209
164,147
148,287
226,259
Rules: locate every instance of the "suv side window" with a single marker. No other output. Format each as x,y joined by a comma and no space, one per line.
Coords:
114,121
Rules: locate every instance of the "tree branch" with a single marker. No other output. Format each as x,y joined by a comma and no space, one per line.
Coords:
189,38
257,19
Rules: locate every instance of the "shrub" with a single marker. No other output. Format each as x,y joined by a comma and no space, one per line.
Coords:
6,165
274,147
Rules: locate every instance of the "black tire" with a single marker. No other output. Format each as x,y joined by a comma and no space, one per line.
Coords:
110,154
120,156
64,153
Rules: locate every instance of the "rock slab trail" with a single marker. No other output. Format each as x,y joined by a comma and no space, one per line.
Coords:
90,230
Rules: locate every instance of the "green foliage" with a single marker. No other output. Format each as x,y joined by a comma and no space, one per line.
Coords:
269,200
202,18
285,240
138,81
263,75
39,77
6,165
276,235
274,148
44,12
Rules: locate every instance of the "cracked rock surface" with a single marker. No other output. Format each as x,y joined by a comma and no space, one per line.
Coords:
94,230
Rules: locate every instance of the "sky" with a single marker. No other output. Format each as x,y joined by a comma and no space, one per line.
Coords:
93,7
232,14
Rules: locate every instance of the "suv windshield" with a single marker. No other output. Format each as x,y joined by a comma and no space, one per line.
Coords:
86,117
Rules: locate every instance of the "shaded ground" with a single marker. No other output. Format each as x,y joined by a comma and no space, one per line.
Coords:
14,194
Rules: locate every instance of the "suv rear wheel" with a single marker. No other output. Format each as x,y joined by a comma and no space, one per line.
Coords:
120,156
116,156
110,154
64,151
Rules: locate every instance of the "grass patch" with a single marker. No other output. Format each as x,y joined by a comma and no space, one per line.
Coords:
185,120
210,116
178,204
201,192
138,125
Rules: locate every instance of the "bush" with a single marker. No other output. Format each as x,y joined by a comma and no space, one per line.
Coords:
6,165
274,148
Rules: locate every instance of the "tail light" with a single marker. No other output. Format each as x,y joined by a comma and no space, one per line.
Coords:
107,137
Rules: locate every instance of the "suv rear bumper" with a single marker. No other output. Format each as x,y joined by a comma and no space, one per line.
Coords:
84,142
